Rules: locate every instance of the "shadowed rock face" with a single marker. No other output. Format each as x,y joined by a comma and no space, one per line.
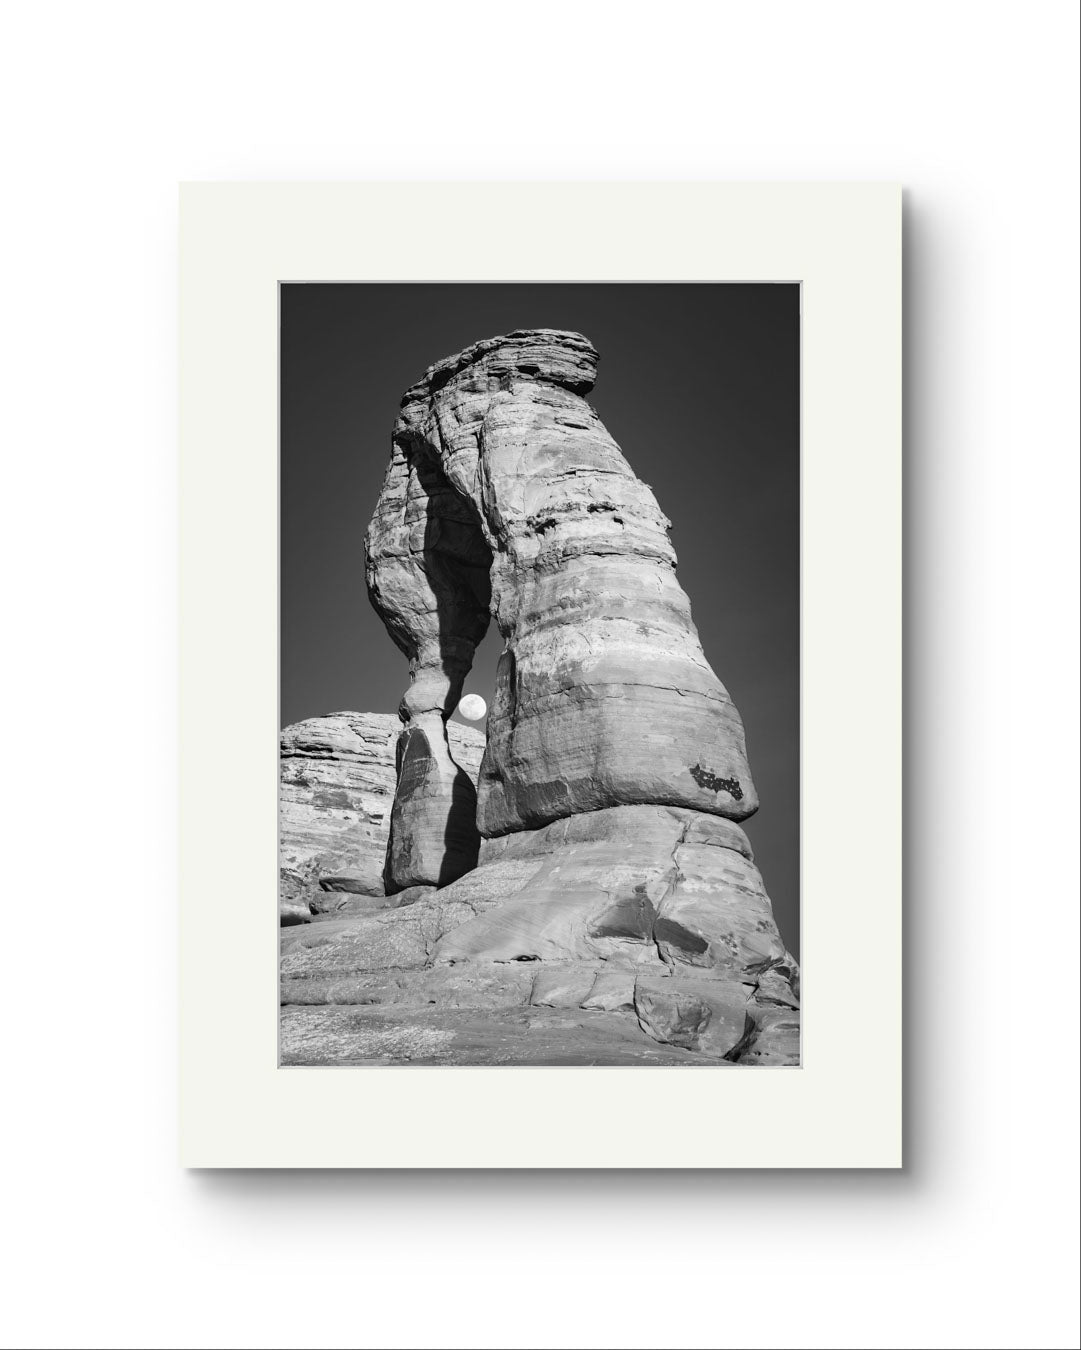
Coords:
505,492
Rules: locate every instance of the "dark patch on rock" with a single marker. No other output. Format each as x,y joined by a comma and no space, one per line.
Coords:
632,916
705,778
675,935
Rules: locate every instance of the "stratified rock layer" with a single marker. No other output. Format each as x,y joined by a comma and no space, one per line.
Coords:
337,781
576,918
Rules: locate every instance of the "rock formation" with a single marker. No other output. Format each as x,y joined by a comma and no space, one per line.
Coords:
598,875
337,779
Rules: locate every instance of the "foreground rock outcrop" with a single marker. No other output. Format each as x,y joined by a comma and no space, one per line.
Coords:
648,915
595,879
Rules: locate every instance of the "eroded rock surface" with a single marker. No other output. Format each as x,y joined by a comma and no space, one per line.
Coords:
548,941
337,780
506,493
597,881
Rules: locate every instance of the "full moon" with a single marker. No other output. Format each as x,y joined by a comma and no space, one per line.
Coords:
472,707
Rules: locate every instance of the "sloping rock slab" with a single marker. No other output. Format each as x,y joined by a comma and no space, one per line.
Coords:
502,986
536,1036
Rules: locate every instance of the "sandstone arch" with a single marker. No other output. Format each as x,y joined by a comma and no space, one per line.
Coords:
506,496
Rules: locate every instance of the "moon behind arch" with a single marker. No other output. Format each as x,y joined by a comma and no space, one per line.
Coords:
472,707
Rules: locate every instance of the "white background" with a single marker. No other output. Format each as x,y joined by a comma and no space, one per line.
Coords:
973,108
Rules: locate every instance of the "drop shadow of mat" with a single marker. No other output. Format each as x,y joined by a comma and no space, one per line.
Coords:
934,1144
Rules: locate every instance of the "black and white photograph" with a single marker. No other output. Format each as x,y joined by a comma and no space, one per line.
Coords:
539,687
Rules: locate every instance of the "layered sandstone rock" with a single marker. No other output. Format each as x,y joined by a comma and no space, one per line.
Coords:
598,880
575,919
505,490
337,780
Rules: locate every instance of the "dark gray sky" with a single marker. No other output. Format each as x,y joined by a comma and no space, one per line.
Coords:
699,385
